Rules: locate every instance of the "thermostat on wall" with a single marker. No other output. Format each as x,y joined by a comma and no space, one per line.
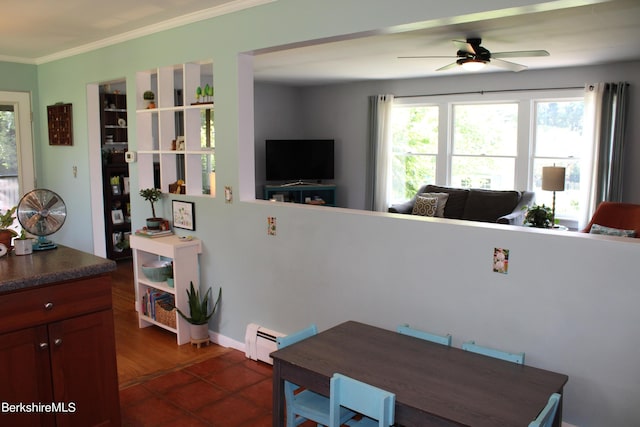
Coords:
130,156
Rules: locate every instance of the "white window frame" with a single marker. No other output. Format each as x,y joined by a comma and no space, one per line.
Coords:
526,127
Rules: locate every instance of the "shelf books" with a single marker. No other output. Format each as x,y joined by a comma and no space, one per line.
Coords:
153,296
153,233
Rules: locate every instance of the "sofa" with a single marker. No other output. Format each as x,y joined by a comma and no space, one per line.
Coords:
502,207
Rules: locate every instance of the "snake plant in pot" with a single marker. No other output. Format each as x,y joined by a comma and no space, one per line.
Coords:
199,313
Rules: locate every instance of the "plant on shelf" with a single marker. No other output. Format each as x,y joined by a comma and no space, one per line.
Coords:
149,97
539,216
199,313
6,222
152,195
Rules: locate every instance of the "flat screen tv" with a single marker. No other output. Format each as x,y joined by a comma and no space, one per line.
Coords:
293,160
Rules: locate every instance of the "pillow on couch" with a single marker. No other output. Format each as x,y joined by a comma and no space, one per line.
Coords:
489,205
442,202
455,202
425,206
610,231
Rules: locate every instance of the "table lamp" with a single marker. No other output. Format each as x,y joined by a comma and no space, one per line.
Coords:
553,180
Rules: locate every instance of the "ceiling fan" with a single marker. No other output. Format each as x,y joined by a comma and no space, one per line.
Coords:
472,56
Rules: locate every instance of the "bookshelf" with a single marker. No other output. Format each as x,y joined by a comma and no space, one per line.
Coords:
184,255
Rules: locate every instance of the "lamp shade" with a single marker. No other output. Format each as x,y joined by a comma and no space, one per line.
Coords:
553,178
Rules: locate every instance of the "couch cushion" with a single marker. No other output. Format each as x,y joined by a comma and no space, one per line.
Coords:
489,205
455,202
442,202
425,206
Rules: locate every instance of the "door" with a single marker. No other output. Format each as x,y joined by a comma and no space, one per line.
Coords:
17,174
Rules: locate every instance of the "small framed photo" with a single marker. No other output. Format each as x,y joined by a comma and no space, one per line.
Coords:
184,215
115,189
117,217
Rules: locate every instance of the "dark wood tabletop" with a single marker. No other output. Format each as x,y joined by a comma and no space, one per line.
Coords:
434,385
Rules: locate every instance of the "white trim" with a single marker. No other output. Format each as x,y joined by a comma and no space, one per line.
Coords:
21,102
225,341
95,164
223,9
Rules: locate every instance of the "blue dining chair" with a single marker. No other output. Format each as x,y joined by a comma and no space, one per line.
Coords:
492,352
547,415
303,405
428,336
376,405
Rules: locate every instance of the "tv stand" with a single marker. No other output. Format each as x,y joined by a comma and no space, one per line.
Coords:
307,193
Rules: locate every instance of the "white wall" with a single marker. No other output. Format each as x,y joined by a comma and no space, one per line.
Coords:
569,301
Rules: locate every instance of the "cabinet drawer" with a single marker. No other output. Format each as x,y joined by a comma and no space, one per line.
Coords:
55,302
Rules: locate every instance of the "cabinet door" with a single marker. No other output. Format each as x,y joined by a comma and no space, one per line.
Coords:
25,375
83,362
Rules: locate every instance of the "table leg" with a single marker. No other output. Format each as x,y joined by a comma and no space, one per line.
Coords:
278,393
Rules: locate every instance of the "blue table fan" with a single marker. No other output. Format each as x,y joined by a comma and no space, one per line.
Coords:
41,212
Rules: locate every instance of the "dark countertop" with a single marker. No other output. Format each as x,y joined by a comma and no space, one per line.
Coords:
50,266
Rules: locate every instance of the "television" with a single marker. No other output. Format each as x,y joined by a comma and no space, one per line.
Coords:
299,159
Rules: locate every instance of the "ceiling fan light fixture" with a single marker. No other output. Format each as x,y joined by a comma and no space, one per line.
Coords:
473,64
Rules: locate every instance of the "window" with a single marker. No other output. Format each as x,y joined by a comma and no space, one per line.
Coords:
496,141
414,149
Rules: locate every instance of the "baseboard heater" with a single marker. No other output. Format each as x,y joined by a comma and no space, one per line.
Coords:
260,342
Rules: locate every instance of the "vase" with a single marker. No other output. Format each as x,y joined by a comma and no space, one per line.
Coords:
23,246
5,238
199,332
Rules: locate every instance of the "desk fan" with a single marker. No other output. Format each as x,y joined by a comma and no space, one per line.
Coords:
41,212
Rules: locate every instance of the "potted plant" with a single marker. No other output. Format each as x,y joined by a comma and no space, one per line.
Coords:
6,221
23,244
149,98
199,313
539,216
152,195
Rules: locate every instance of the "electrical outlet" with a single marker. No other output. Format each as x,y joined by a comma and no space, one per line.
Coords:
271,225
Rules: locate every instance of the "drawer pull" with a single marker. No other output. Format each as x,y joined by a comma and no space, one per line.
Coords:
43,346
58,342
48,306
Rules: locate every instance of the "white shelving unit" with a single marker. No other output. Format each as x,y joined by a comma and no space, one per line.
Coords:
177,114
184,254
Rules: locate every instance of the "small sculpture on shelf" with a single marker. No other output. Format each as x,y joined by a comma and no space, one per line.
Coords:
206,94
149,98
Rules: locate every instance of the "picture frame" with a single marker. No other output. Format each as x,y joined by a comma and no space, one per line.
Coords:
184,215
117,217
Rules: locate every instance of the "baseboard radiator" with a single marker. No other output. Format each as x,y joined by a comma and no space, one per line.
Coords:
260,342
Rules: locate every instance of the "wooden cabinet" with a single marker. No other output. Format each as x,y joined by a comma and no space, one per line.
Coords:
177,136
115,175
184,256
57,351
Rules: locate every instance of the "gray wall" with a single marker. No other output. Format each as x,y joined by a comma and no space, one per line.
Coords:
340,111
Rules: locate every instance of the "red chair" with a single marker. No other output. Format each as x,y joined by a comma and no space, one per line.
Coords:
624,216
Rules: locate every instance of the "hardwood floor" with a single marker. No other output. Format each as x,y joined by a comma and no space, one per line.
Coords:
148,352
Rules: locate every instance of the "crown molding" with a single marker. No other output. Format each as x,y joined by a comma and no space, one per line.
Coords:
179,21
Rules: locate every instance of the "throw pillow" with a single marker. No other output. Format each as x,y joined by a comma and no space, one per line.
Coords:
442,201
425,206
610,231
456,201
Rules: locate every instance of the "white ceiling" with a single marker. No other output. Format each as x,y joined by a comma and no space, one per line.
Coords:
37,31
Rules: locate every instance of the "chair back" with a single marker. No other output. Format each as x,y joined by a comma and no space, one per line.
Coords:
548,414
360,397
293,338
428,336
492,352
623,216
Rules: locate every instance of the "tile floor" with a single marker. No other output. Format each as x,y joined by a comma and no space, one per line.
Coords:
228,390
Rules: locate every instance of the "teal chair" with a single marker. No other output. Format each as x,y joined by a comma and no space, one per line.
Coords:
438,339
547,415
376,405
492,352
303,405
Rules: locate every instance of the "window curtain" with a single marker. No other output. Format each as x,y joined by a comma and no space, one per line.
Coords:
379,158
606,110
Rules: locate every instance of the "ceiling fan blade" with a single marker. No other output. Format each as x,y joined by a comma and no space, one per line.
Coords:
519,54
425,57
464,46
447,67
507,65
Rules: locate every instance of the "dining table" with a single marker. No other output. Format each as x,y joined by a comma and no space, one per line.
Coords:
434,384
